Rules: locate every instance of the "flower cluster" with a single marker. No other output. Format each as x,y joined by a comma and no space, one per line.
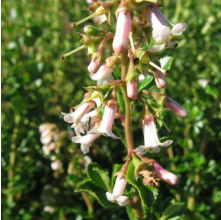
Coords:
135,45
49,138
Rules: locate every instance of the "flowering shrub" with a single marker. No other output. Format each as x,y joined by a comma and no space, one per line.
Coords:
142,31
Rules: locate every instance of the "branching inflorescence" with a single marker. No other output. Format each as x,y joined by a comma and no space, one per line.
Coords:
142,32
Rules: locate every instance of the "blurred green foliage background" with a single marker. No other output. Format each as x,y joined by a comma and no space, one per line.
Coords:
37,85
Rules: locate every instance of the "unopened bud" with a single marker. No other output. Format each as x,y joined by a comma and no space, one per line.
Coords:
91,30
132,89
121,39
160,79
93,66
176,108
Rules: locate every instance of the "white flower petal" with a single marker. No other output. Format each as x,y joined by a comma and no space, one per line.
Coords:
160,34
178,29
85,148
122,200
157,48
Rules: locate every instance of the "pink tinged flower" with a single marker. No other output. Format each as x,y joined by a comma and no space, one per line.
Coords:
103,73
165,45
160,79
121,39
164,174
132,89
46,140
86,122
43,127
51,146
46,132
156,20
105,127
94,66
56,165
105,80
117,195
78,113
151,141
85,141
178,29
176,108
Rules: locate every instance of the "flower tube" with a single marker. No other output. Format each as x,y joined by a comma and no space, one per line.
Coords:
85,141
176,108
164,174
117,195
121,39
105,127
160,79
151,141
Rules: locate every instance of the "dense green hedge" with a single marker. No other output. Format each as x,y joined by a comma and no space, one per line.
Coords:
37,85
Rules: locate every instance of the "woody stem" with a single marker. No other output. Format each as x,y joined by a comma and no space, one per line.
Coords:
128,126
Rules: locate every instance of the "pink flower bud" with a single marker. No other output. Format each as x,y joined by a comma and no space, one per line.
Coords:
164,174
132,89
176,108
160,79
94,66
121,39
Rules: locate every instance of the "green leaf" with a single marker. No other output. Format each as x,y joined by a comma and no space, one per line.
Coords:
98,193
173,211
130,212
108,93
145,82
117,74
120,100
166,62
98,176
147,193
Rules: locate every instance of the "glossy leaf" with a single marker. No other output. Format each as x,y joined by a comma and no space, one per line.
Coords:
147,80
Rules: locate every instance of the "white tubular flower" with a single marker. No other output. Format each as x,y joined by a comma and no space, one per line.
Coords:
105,127
86,122
103,72
176,108
117,195
161,31
151,141
103,75
85,141
105,80
154,18
79,112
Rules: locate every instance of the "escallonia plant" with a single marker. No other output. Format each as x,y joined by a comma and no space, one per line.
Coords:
142,32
